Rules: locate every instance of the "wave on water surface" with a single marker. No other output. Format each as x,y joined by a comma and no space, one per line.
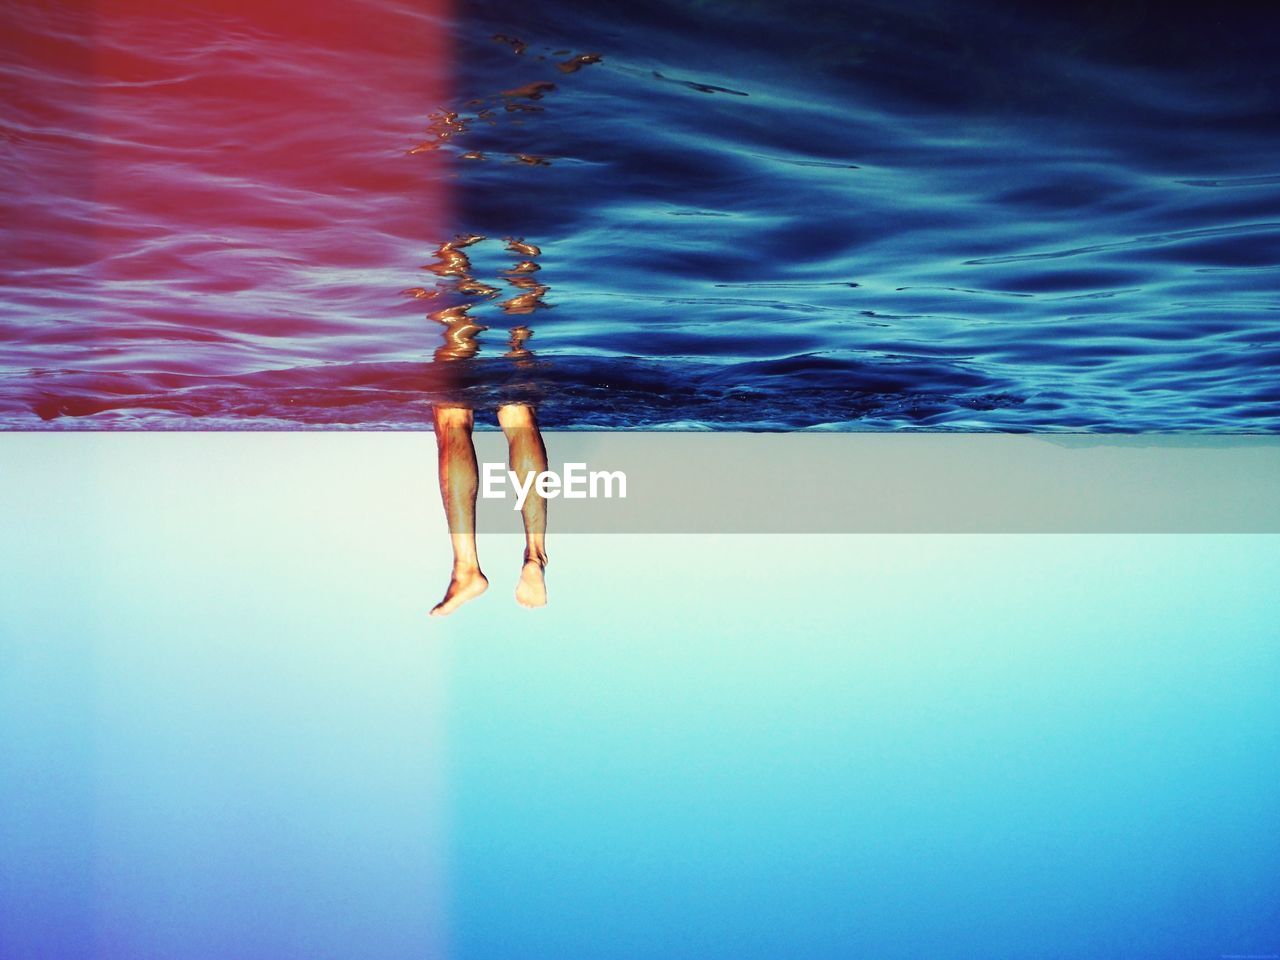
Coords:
681,215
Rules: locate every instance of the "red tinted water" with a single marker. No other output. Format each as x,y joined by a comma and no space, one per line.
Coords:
215,190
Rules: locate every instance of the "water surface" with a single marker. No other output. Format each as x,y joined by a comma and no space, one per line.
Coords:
855,216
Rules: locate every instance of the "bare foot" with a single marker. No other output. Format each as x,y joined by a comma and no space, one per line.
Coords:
531,591
465,585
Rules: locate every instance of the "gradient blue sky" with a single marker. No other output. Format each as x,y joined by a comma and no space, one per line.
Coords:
227,728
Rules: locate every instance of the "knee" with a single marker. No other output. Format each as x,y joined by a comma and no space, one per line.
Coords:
452,418
516,416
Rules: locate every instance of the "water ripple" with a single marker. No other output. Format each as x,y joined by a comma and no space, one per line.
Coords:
665,214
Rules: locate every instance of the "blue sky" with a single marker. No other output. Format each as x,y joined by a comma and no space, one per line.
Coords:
227,727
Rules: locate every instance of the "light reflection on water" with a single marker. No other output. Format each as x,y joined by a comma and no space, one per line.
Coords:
873,216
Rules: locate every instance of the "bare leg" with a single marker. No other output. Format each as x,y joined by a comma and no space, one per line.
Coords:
528,455
459,481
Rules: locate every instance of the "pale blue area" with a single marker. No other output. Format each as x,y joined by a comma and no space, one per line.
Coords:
875,747
220,730
227,729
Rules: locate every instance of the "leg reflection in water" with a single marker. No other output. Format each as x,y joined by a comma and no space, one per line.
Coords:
459,483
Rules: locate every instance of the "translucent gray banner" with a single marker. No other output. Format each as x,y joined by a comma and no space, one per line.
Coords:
694,482
885,483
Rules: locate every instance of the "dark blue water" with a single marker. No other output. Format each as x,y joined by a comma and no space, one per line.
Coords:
852,216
